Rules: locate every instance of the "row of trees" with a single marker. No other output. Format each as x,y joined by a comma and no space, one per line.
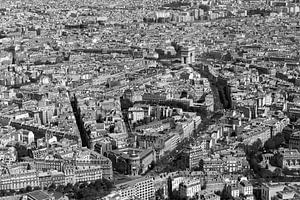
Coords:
175,160
21,191
254,155
88,191
178,157
84,133
200,166
279,140
22,151
224,194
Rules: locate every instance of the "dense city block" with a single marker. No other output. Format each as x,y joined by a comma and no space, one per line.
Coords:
149,100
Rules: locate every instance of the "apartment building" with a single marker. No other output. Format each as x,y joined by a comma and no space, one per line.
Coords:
142,188
189,188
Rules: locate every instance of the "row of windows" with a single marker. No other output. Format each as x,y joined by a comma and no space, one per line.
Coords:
24,182
52,178
87,179
17,185
18,178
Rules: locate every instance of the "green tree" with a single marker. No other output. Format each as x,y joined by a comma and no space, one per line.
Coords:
87,193
276,160
94,190
287,137
22,191
28,188
52,187
21,150
254,164
170,187
270,144
60,189
84,185
277,172
256,146
12,191
176,195
227,56
279,140
201,165
225,195
205,8
68,188
108,184
37,188
159,194
125,104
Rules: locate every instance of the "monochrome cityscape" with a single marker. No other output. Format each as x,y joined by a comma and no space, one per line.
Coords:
150,99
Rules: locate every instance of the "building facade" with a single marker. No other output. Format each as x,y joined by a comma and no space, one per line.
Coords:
142,188
190,188
290,158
